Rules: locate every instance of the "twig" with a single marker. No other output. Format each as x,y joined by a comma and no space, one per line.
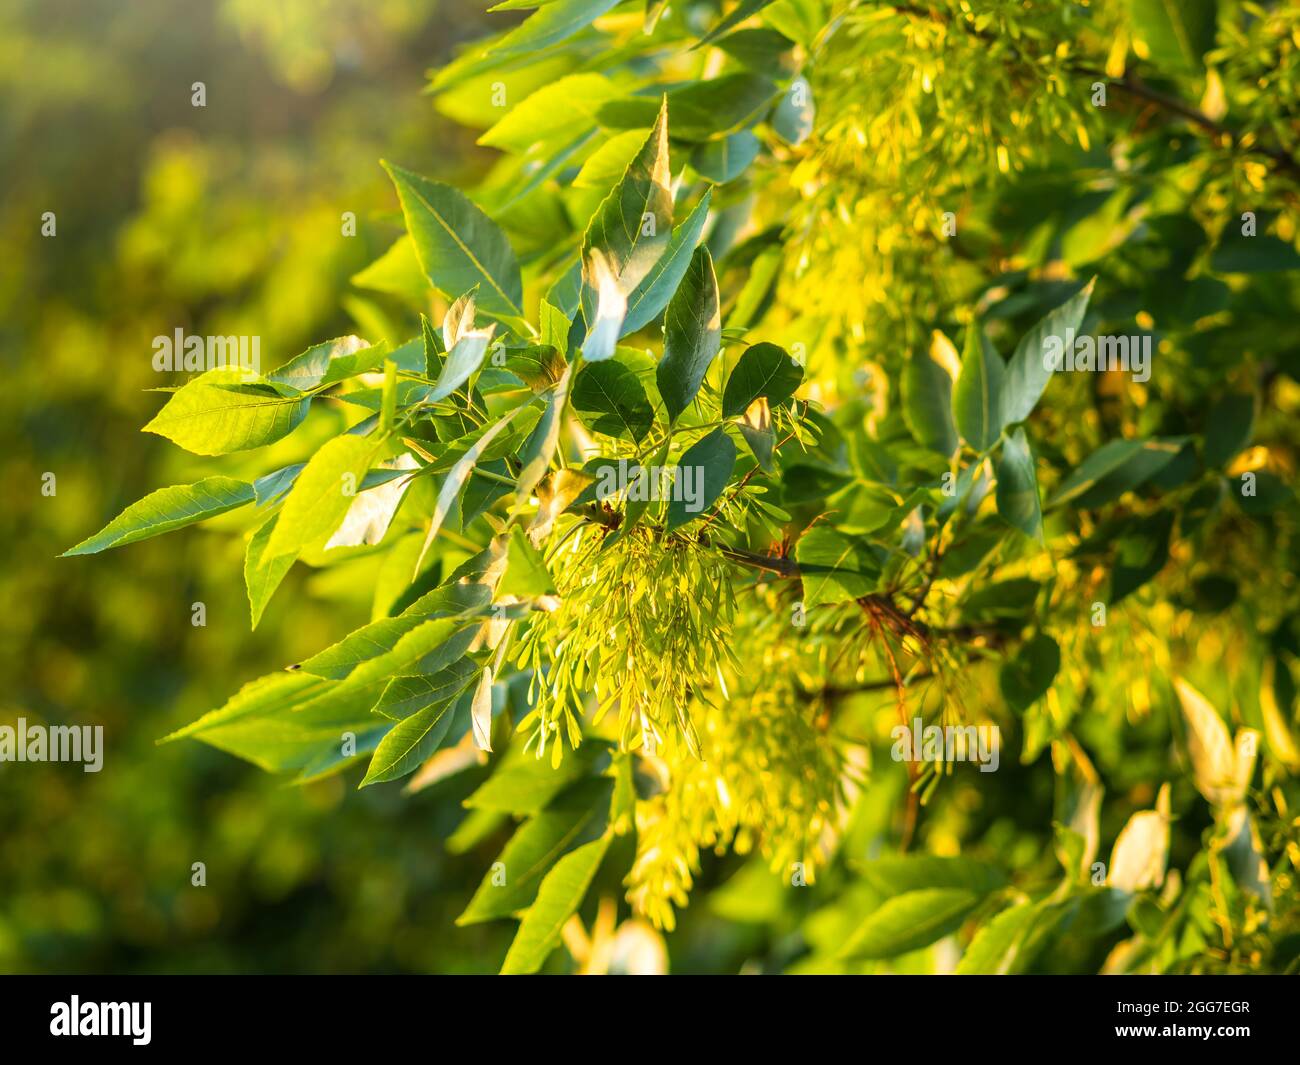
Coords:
834,691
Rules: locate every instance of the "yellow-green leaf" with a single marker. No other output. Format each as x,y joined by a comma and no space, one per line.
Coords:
561,893
167,509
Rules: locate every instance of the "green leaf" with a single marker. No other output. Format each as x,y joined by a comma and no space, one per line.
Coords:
524,784
763,370
330,362
540,446
762,49
1174,33
977,393
551,24
631,228
526,575
721,105
754,298
577,816
276,484
455,480
397,271
539,366
228,410
462,362
556,112
1026,374
433,351
1026,678
1267,491
610,399
725,159
803,482
897,874
701,109
835,567
909,922
692,332
388,399
1115,468
1262,253
654,11
651,296
1000,946
554,330
430,646
405,696
702,474
565,293
1142,553
280,724
458,319
458,601
610,161
792,118
412,740
1177,471
167,509
744,10
927,404
1228,427
458,245
322,494
1245,853
262,575
1017,491
561,893
379,637
755,426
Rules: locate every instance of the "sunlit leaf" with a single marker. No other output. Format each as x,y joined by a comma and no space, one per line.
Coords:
560,894
910,921
229,410
458,245
762,370
322,494
1017,489
611,400
692,332
1028,371
702,475
977,392
167,509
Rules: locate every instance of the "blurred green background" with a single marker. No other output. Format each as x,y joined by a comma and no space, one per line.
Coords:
217,220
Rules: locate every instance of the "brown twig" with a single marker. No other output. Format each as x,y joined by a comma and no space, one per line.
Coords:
836,691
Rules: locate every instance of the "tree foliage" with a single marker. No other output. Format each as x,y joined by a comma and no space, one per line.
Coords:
807,257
